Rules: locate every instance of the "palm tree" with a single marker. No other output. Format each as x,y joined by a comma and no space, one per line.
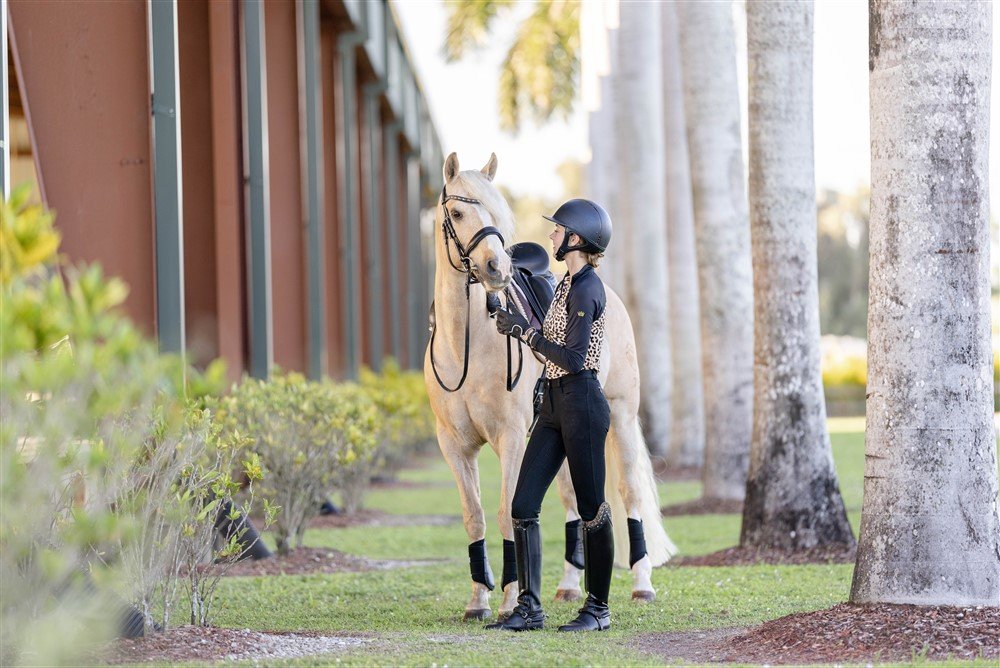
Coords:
930,532
793,500
602,171
722,237
687,438
640,221
539,74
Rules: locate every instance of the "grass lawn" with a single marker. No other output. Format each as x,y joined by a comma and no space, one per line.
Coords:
415,613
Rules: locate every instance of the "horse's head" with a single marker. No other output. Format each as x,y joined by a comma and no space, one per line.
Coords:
479,221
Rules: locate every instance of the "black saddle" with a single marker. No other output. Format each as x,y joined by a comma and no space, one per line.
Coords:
534,283
533,278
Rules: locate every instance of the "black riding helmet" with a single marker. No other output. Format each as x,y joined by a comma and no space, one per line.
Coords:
588,220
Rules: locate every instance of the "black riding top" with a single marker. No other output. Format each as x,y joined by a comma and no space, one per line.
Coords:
573,331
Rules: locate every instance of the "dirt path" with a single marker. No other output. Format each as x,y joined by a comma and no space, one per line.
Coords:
312,560
212,644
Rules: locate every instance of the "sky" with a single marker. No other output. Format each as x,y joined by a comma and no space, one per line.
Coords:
462,100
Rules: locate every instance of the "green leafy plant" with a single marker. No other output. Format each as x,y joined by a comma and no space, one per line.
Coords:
408,425
217,487
310,437
98,444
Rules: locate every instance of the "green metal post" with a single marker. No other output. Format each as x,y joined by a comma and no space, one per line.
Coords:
415,279
373,261
394,232
167,175
348,43
312,144
258,185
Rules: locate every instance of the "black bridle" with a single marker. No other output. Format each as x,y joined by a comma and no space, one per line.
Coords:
465,267
448,229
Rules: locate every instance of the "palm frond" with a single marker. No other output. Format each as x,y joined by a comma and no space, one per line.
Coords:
468,25
540,73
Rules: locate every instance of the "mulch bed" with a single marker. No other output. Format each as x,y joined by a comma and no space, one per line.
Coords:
882,632
703,507
740,556
845,633
210,644
311,560
381,519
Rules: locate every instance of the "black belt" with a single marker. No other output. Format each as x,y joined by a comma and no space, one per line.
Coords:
562,380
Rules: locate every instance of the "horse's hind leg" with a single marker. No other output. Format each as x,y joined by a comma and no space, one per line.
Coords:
464,464
569,586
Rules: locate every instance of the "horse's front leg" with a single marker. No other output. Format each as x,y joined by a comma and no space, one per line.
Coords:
510,449
569,586
464,464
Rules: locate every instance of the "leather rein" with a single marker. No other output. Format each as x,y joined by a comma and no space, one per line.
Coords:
465,267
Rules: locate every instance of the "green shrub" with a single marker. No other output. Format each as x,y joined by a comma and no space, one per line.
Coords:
408,427
310,437
845,370
98,452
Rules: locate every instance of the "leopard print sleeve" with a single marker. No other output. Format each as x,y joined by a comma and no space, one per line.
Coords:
573,332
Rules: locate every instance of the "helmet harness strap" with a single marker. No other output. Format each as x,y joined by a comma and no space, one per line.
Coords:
564,247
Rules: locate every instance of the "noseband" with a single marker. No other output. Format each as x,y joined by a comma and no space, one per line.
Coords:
448,231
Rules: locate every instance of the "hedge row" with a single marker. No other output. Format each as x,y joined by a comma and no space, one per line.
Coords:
120,465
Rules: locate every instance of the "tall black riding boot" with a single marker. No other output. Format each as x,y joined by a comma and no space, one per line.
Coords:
598,560
527,615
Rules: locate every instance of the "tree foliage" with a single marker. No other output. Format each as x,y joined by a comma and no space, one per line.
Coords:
469,25
540,73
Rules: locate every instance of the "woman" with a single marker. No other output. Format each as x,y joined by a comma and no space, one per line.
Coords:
573,421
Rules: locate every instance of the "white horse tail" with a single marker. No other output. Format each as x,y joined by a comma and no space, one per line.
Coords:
612,483
630,453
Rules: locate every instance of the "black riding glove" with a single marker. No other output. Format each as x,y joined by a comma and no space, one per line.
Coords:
512,324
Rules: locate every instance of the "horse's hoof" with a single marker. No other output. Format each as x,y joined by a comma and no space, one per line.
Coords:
568,595
504,616
477,615
643,596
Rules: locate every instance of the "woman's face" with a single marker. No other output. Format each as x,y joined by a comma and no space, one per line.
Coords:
557,236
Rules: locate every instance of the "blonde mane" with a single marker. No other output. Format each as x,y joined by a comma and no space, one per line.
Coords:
481,188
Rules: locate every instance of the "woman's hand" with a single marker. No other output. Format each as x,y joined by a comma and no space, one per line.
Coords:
511,323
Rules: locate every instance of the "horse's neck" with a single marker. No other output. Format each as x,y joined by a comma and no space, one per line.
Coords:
452,311
451,308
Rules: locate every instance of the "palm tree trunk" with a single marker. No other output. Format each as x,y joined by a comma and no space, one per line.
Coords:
722,237
930,532
601,172
641,210
605,157
687,438
793,499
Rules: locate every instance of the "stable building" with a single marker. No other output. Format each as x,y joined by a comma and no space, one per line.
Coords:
256,171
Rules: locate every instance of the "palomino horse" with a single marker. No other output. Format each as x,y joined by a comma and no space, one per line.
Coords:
467,352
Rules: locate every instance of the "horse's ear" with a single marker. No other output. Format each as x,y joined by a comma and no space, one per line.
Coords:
451,168
490,170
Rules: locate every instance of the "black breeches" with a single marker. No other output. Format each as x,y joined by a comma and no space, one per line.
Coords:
572,424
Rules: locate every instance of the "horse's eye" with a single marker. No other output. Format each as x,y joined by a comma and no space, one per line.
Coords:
456,214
